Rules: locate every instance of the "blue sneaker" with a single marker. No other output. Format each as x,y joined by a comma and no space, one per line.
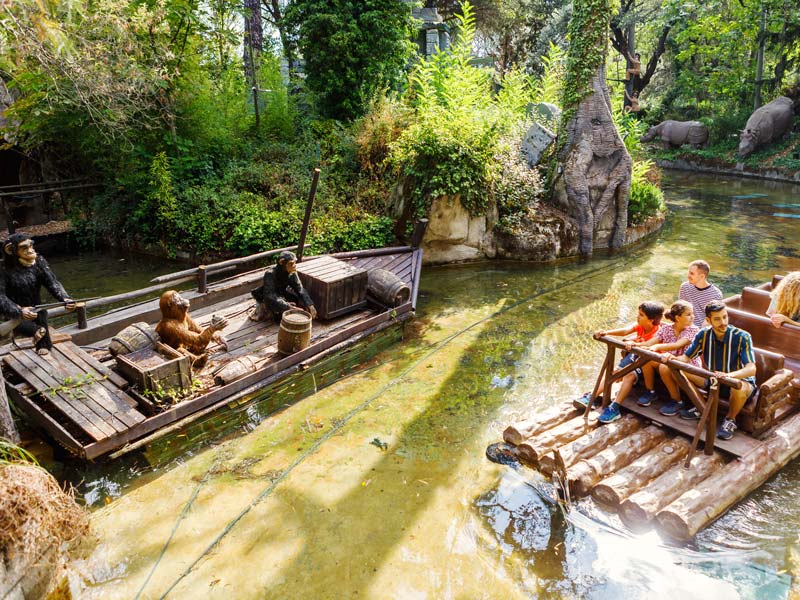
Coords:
647,398
610,414
670,409
689,414
582,402
725,431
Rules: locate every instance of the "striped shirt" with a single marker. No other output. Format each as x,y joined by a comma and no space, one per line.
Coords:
699,298
733,352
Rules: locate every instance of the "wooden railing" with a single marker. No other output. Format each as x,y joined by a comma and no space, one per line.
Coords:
707,408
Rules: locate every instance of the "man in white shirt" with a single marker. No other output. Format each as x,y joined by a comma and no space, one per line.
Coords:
698,290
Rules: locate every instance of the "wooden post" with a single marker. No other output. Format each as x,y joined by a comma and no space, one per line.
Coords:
202,279
7,428
313,192
419,232
711,423
80,308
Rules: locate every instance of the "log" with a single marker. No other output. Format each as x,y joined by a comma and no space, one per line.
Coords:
698,507
614,489
547,419
582,477
591,443
640,508
7,428
534,448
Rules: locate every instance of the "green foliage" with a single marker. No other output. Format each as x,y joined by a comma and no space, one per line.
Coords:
159,210
518,189
646,199
11,453
351,49
549,88
450,145
588,33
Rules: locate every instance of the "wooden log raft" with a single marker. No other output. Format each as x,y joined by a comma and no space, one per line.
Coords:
534,448
584,475
552,417
696,508
591,443
641,508
615,488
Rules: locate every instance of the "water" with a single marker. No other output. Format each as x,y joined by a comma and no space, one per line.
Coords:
307,504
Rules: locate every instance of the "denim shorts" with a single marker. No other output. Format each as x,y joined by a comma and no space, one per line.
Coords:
627,360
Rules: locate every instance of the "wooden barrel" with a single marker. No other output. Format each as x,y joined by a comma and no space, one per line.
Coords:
235,369
132,338
387,287
295,331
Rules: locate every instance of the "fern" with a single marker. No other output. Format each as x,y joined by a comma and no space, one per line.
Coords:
550,86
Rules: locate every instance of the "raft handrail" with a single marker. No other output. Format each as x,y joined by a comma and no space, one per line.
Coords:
215,267
672,362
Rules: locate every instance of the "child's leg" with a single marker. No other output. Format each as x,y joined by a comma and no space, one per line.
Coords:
649,373
669,382
625,388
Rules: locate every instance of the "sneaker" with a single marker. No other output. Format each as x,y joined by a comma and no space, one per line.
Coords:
647,398
725,431
690,414
610,414
670,409
582,402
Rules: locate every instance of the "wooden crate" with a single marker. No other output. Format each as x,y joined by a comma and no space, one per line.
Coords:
335,286
156,369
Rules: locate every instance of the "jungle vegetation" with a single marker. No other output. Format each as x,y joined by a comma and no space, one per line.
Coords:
204,118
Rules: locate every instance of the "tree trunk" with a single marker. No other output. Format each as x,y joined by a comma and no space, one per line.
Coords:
253,40
595,164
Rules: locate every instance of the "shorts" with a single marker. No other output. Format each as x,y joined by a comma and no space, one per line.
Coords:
627,360
725,391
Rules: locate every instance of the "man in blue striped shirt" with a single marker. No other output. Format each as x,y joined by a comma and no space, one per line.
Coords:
728,351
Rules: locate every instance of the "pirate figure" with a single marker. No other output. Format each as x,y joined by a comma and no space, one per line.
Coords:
24,275
281,291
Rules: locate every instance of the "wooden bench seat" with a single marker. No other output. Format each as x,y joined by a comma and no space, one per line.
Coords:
783,340
774,392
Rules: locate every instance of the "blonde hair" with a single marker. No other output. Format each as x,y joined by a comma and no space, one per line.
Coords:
787,295
677,309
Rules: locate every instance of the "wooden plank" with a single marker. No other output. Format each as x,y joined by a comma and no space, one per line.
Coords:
739,445
89,362
225,393
45,421
122,405
91,396
62,403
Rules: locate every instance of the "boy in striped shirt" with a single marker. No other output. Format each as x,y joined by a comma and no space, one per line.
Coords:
698,291
728,351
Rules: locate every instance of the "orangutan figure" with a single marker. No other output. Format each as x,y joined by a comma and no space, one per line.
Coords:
179,331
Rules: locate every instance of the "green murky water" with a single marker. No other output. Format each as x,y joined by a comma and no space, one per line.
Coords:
310,503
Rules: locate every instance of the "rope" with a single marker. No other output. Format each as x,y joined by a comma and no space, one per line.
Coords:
355,411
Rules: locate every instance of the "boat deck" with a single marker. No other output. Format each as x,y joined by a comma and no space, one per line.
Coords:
76,395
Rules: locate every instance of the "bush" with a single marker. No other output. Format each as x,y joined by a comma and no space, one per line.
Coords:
517,189
646,199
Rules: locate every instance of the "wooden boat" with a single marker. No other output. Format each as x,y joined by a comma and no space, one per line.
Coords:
644,465
78,397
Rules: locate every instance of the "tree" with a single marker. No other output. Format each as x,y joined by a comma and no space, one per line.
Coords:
351,49
596,167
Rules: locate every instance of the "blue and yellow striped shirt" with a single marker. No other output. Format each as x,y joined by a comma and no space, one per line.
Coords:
733,352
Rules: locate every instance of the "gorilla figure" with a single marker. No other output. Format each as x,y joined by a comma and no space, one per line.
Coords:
179,331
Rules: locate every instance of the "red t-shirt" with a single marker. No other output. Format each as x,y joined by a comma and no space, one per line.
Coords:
641,336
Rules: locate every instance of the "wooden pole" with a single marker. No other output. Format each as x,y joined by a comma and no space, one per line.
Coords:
698,507
307,217
202,280
419,232
80,308
7,428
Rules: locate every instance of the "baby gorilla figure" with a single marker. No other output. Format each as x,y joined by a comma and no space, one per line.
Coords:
179,331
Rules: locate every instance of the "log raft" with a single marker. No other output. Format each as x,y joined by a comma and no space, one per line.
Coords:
662,472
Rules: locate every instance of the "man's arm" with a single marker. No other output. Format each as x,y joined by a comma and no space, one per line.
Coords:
749,370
